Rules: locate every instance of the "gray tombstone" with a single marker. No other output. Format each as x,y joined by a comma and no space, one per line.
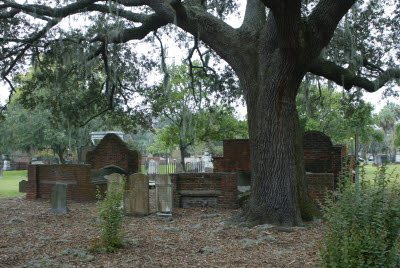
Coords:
163,195
1,172
22,186
136,199
59,198
113,182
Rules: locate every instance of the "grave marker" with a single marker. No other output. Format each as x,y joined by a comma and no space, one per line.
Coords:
113,182
136,197
22,186
59,198
163,195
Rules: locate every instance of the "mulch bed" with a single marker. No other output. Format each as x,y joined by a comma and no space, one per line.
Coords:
32,236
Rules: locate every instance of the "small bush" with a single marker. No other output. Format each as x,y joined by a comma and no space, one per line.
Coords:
362,225
110,212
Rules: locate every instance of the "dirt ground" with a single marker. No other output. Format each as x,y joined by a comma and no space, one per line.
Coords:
32,236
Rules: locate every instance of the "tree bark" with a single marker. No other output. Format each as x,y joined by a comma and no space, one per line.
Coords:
60,154
279,192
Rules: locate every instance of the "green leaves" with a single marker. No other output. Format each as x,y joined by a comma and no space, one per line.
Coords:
110,212
362,225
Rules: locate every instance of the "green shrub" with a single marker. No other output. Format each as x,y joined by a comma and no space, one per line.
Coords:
110,212
362,225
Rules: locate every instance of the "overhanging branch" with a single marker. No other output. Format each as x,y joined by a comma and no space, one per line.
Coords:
347,79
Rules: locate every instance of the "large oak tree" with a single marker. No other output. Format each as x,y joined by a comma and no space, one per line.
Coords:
278,42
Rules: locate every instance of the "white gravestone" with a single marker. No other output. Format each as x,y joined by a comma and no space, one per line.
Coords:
163,195
153,167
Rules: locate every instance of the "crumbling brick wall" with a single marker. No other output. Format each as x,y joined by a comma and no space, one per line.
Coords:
320,157
236,156
113,151
41,178
205,188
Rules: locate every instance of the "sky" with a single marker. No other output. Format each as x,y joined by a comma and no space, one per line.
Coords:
375,99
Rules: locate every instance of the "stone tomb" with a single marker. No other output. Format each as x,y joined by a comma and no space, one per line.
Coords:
136,198
163,195
59,198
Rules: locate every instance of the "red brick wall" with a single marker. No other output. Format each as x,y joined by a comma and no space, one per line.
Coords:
113,151
236,156
320,184
41,178
320,156
220,185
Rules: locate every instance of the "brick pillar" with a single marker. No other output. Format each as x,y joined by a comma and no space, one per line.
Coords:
228,199
32,188
175,195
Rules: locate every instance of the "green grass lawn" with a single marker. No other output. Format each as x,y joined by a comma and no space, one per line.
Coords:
392,171
9,184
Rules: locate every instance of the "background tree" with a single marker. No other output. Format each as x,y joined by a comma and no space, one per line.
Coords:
190,111
29,130
278,43
335,114
387,119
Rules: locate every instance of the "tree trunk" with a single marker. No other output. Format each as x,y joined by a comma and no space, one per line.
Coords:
279,193
182,149
60,154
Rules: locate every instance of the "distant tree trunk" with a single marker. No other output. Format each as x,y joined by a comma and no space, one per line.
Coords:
182,149
60,153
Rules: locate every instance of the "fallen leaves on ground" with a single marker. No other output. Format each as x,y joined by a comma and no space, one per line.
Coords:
33,236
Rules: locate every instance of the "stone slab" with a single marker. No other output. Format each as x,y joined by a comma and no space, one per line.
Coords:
163,194
59,198
136,199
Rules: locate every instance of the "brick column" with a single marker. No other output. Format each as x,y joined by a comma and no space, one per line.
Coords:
32,188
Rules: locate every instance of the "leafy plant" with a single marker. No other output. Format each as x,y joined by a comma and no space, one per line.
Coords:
110,211
362,225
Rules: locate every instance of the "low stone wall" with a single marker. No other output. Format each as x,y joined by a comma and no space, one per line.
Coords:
320,184
41,178
205,189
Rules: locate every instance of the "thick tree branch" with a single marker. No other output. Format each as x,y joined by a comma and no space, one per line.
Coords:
254,17
323,21
287,16
347,79
152,23
42,10
32,39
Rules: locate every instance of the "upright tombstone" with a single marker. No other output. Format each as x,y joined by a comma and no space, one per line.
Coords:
163,195
136,199
113,182
22,186
59,198
1,172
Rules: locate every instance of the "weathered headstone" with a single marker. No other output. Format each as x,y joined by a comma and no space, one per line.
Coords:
1,172
22,186
136,197
163,195
113,183
59,198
